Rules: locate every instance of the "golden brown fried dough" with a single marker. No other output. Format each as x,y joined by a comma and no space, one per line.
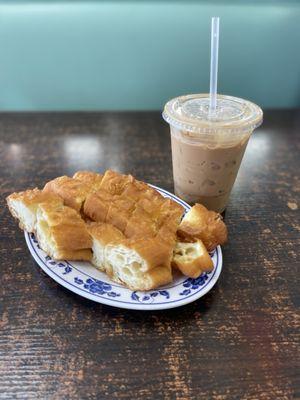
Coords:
61,232
139,264
72,191
200,223
91,179
23,206
192,258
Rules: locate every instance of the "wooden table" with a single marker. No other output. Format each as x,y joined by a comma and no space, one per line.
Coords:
237,342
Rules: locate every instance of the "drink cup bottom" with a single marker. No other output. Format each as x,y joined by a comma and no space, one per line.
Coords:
205,172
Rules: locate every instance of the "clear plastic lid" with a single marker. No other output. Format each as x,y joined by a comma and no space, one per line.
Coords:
233,115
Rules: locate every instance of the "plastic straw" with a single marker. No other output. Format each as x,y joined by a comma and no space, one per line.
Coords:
214,50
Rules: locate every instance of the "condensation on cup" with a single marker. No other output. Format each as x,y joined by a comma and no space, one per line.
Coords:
207,149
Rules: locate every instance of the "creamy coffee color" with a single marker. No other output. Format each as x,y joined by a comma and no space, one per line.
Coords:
207,150
204,174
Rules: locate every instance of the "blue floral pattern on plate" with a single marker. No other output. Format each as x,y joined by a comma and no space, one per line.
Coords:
148,297
84,279
96,286
193,284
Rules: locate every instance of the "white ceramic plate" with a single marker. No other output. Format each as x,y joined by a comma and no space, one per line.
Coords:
84,279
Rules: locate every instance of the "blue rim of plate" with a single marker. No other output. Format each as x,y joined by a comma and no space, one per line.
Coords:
85,280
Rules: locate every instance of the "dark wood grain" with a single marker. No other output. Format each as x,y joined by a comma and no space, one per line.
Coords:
240,341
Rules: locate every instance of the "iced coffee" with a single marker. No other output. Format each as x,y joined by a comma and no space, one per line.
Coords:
207,150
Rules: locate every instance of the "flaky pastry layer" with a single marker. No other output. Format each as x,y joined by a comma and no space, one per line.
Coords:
23,206
130,227
200,223
141,264
61,231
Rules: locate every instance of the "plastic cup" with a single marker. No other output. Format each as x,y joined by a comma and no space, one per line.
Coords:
207,150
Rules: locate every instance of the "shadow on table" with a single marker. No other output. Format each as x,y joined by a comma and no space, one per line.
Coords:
199,307
202,306
60,298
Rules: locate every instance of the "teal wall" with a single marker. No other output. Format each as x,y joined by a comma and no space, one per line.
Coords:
89,55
